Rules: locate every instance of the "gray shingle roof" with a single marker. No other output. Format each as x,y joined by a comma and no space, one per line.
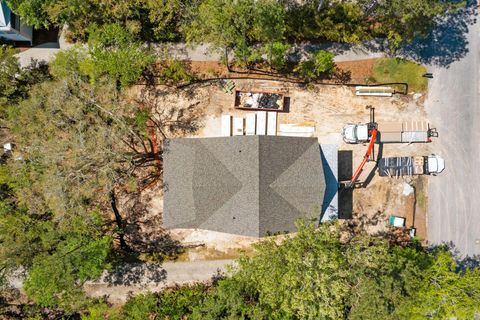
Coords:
247,185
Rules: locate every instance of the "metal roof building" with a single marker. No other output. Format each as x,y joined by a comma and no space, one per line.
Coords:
246,185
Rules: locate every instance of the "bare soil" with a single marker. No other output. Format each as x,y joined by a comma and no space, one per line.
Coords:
357,71
328,108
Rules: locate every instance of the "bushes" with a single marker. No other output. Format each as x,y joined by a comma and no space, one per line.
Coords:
318,64
173,303
112,51
175,72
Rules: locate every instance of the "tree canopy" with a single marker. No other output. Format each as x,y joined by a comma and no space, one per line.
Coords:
320,274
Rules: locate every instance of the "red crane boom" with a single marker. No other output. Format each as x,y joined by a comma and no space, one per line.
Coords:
373,137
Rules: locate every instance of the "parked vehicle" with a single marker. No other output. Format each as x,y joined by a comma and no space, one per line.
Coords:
389,132
409,166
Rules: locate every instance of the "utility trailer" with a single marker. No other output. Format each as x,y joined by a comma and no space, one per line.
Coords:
390,132
410,166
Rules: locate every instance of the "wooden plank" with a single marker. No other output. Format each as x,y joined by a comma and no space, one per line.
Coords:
261,123
272,124
250,124
237,126
226,125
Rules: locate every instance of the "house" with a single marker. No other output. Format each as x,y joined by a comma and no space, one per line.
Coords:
12,27
245,185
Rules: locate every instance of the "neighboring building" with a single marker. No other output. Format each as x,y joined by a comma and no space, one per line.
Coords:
246,185
11,26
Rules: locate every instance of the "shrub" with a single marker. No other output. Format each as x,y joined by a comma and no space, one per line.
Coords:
318,64
175,72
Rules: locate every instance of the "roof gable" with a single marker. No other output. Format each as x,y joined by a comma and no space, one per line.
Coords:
248,185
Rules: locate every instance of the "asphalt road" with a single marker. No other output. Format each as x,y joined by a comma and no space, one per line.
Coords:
453,107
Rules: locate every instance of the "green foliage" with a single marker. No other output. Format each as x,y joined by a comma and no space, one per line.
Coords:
446,291
32,12
58,254
114,51
323,62
140,307
341,22
14,81
149,19
174,72
334,21
389,70
100,311
277,52
55,279
9,68
171,303
404,20
67,62
224,24
239,26
320,63
315,275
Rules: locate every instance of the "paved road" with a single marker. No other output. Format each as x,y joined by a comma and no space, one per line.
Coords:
453,107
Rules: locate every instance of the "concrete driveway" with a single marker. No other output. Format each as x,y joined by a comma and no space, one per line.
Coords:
134,278
452,55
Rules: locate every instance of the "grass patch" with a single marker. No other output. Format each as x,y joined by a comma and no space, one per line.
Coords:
388,70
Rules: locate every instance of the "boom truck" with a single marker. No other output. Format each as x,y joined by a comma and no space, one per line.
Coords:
395,132
389,132
409,166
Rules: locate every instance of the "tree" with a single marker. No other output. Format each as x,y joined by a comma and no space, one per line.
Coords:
277,52
341,22
9,68
32,12
269,28
79,144
403,21
288,280
318,274
447,291
114,51
331,20
224,24
15,81
148,19
318,64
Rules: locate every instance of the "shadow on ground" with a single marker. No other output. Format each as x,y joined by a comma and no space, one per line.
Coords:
135,274
447,42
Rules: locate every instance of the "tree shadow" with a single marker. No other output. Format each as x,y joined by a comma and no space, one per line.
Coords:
464,262
143,230
447,42
134,274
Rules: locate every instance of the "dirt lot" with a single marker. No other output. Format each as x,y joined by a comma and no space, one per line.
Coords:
327,108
